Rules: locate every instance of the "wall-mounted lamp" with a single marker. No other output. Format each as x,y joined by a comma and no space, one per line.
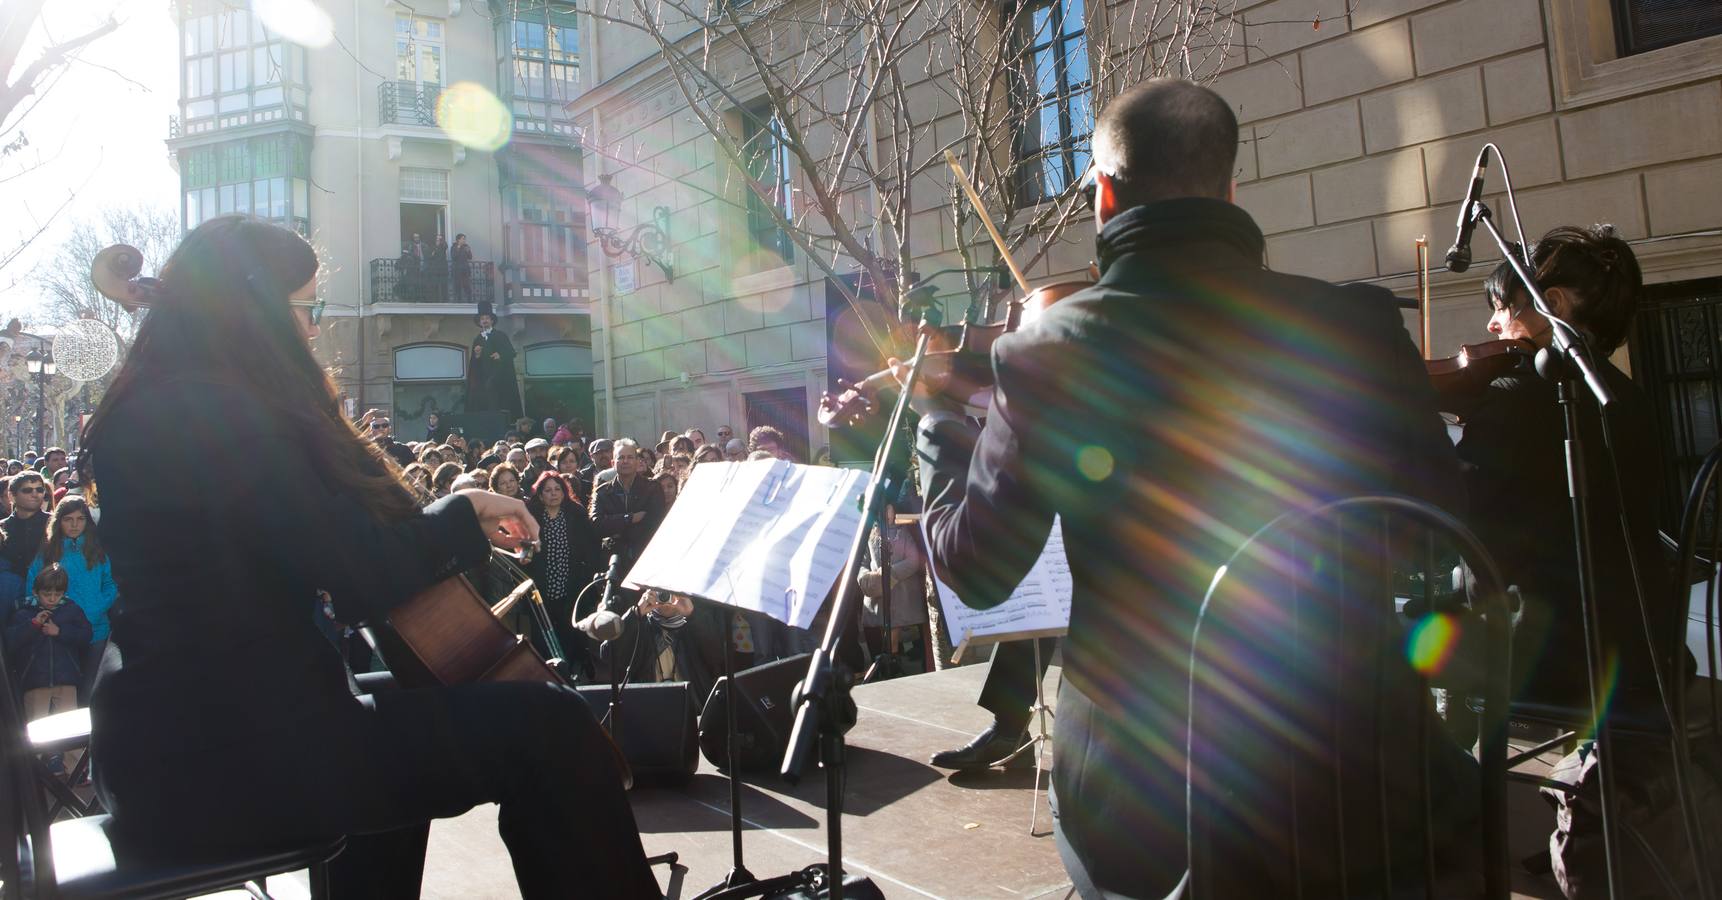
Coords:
648,240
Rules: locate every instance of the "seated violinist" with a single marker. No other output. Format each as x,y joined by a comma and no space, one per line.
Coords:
1515,471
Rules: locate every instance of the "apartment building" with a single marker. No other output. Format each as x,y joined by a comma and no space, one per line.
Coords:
1361,120
428,120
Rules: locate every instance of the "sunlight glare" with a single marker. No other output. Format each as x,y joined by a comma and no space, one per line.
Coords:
301,21
473,116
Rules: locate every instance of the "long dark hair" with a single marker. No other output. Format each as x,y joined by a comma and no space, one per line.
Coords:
54,546
1596,265
222,314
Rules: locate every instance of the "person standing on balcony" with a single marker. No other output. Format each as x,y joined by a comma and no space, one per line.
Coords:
490,381
460,268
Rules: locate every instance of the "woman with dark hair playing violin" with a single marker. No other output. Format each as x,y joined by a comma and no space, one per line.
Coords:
1514,465
225,722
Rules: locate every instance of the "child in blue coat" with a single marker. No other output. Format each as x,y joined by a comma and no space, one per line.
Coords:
73,543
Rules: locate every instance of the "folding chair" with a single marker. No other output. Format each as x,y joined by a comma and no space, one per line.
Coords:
1316,768
79,859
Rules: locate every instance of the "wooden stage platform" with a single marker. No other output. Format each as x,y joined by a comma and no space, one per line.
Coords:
918,831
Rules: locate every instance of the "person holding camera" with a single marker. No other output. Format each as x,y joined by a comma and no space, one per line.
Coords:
45,641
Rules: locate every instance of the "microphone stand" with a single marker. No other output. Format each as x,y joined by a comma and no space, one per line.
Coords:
1574,357
824,708
738,874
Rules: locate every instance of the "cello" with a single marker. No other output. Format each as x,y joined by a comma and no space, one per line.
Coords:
446,634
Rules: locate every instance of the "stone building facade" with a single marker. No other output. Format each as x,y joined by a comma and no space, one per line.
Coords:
1360,123
434,118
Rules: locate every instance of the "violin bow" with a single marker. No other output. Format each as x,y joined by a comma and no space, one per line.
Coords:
987,220
1423,324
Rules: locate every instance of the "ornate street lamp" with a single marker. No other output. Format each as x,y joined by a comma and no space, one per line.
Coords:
648,240
41,368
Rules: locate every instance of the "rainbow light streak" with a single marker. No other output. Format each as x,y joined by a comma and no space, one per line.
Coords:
1430,644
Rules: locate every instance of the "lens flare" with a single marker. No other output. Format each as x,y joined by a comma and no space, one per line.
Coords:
1095,463
301,21
1431,643
474,117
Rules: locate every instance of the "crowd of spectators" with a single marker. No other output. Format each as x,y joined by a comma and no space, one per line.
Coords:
434,271
594,498
56,585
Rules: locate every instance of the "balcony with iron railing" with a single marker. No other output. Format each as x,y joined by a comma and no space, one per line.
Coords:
407,103
400,281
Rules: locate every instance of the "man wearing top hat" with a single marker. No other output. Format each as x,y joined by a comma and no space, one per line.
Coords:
490,381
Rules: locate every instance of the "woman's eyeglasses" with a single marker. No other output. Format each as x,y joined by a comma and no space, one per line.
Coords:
315,306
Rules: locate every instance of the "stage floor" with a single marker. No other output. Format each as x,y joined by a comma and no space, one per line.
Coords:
917,831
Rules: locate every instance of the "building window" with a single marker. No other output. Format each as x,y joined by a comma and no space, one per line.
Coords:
769,166
418,50
234,70
1054,97
265,177
429,362
1643,25
538,65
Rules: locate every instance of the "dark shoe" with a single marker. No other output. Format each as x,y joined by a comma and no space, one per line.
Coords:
989,748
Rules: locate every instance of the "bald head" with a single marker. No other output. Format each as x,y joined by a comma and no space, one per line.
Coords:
1164,139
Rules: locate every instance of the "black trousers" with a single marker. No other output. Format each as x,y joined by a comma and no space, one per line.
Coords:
400,760
1008,692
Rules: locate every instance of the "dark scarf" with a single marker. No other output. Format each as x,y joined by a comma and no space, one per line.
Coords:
1175,224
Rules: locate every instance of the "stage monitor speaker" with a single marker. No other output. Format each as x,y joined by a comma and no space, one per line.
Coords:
487,426
657,736
763,717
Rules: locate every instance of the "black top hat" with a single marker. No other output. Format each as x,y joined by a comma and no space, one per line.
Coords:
486,308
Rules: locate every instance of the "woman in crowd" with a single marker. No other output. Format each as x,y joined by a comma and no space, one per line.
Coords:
481,477
74,544
708,453
216,639
505,479
1513,463
568,558
442,481
431,457
418,478
672,474
565,461
682,444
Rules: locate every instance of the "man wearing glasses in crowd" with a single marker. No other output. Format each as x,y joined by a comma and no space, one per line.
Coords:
382,431
22,533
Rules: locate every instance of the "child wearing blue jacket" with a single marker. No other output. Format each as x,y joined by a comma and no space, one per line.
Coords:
74,545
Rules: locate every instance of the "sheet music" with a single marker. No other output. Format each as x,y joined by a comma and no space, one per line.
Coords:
767,536
1041,604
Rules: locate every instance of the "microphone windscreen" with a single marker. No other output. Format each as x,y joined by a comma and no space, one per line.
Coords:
602,625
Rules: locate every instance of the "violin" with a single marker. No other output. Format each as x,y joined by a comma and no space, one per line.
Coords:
1461,378
958,362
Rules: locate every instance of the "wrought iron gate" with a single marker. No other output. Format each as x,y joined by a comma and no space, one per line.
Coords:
1677,357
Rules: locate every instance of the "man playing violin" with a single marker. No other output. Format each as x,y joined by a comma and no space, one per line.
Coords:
1188,398
1514,467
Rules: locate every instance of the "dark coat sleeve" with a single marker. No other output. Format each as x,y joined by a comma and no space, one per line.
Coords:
501,345
20,633
75,628
986,522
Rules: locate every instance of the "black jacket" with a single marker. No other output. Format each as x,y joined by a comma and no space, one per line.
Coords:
22,540
40,660
613,509
1189,398
1513,457
397,451
214,627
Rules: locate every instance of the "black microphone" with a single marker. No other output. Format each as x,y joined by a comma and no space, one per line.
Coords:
1459,255
604,624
